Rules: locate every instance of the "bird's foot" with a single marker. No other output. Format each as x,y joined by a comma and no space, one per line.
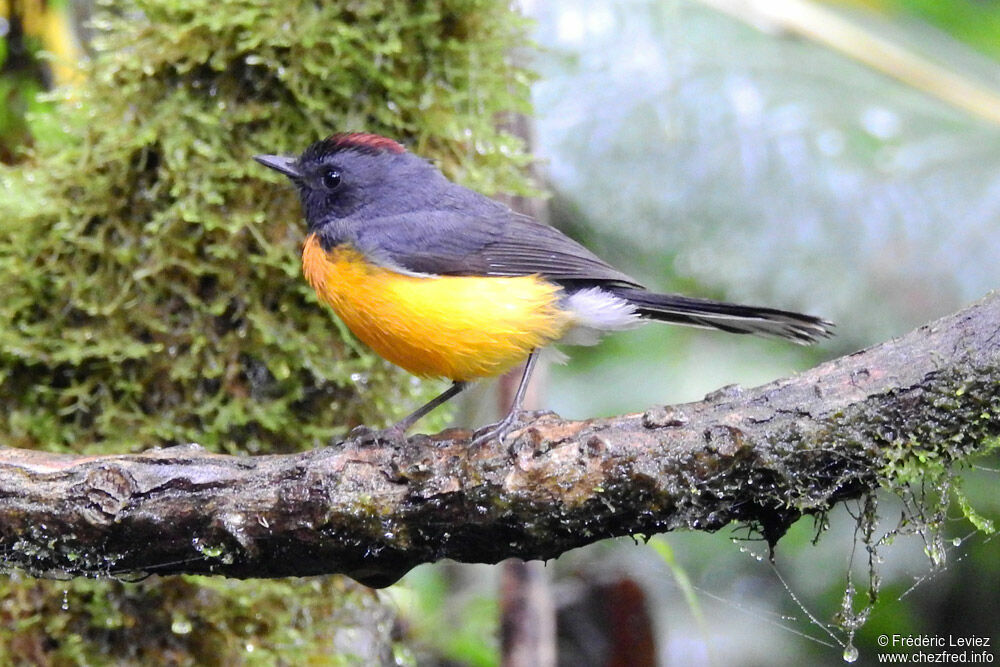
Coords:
499,430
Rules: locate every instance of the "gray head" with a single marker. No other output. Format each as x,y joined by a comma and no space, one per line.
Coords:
358,176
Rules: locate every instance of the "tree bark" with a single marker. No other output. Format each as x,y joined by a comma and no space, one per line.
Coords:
762,456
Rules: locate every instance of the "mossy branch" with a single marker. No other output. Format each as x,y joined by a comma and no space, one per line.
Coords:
765,456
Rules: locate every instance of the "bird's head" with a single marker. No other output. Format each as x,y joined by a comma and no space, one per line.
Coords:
350,177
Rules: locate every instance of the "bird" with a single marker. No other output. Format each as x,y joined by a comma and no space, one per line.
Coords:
446,282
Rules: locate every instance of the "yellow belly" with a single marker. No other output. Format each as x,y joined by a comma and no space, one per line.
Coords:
456,327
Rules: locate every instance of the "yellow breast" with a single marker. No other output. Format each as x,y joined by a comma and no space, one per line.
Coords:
457,327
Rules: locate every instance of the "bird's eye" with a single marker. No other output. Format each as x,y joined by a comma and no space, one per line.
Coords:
331,178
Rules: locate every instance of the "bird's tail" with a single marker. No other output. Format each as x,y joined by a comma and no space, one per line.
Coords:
731,317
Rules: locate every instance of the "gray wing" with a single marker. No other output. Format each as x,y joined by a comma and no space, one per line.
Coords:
492,241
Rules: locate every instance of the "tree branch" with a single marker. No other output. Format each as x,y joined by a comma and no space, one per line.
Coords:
764,456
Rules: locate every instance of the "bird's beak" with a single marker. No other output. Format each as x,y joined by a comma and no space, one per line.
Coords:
285,165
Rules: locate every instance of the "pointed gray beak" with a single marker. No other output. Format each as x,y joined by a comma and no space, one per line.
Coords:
285,165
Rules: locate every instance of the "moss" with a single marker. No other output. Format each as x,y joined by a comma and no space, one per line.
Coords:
151,276
151,285
921,462
195,621
928,457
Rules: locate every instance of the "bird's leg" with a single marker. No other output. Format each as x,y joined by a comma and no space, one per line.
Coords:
366,435
404,424
505,425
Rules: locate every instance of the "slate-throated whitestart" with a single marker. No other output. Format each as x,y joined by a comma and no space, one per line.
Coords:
446,282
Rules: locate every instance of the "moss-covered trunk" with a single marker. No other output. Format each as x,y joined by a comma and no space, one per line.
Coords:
151,291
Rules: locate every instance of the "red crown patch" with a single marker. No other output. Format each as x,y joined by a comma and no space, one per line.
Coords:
364,141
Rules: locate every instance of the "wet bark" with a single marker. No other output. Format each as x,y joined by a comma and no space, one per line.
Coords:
762,456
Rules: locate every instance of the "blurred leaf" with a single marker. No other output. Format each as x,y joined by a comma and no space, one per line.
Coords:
771,170
974,22
663,549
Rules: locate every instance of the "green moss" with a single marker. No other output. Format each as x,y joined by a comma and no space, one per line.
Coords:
151,277
924,473
151,287
194,621
909,462
981,523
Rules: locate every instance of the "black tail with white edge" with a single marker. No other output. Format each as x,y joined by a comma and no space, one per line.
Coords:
731,317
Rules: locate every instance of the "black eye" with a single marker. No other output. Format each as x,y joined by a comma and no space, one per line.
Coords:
331,178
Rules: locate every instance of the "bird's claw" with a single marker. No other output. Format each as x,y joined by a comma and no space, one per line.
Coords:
499,430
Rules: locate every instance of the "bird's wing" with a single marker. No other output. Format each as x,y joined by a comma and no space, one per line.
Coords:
496,242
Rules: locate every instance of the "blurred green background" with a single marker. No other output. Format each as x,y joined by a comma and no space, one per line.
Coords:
732,156
757,152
